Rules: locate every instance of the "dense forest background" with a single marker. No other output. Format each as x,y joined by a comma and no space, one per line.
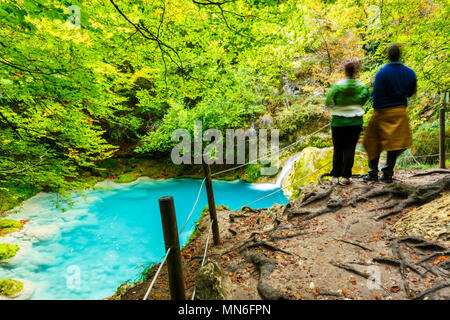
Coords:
87,85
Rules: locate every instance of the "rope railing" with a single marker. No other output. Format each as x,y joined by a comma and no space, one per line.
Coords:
204,254
156,275
193,208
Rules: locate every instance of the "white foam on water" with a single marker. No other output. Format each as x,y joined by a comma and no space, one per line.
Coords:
264,186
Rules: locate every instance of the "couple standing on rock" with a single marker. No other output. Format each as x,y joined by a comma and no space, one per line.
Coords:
388,128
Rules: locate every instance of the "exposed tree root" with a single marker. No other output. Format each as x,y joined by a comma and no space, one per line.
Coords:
427,269
268,246
348,227
397,251
423,244
275,238
399,207
351,269
411,195
323,175
265,267
387,206
332,206
434,289
396,263
400,196
332,294
314,196
430,172
396,189
355,244
233,216
248,209
445,265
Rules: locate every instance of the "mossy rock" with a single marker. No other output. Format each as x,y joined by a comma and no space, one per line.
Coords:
9,225
7,250
9,287
311,159
212,282
127,177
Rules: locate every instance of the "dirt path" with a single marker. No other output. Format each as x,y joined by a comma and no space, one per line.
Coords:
338,255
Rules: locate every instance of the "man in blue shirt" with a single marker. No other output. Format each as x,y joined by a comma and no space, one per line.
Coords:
388,128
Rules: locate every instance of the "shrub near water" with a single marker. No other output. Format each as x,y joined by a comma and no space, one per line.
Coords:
9,225
9,287
7,250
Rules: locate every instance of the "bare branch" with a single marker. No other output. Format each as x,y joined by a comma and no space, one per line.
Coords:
41,159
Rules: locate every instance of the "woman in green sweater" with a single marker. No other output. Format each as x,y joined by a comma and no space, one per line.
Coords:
345,100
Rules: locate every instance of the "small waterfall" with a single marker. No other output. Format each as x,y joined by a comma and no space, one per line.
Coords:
286,169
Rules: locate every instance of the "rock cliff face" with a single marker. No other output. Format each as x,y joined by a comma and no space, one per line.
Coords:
311,159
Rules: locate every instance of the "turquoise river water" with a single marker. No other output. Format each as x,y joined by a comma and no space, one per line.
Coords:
108,235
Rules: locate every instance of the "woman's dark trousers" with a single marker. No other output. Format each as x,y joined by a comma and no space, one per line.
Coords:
344,142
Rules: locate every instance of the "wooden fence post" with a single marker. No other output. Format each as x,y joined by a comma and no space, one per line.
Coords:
211,203
170,230
442,138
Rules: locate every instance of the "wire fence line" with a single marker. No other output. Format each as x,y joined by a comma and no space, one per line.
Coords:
279,151
422,156
285,187
193,208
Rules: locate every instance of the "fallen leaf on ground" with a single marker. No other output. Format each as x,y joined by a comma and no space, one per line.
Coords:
394,289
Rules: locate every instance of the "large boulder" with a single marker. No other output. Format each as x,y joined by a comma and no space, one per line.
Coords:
212,282
43,233
311,159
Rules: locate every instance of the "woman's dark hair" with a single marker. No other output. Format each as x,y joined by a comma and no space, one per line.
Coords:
350,69
394,52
